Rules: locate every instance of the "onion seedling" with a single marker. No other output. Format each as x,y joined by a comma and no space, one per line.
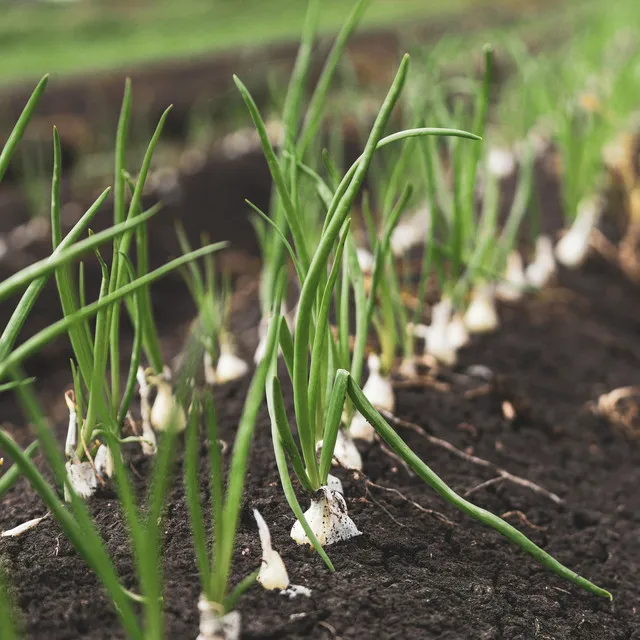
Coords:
318,400
94,348
298,135
399,447
495,253
75,521
217,601
214,311
581,133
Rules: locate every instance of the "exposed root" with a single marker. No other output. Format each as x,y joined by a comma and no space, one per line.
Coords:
396,458
523,519
431,512
481,462
622,409
479,392
331,629
422,382
99,478
483,485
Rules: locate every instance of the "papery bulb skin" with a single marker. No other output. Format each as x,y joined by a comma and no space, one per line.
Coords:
230,366
335,484
379,391
148,443
513,284
501,162
273,574
209,369
328,519
82,479
541,271
166,410
481,315
572,249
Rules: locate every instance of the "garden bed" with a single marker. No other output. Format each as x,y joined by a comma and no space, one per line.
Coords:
412,574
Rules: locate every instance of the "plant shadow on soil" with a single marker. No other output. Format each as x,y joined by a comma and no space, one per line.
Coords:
411,574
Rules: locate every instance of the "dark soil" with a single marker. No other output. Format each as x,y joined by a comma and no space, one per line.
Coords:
411,574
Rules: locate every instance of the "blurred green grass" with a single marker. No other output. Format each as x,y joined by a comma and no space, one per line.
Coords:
67,37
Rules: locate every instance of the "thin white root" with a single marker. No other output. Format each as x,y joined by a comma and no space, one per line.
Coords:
327,516
273,574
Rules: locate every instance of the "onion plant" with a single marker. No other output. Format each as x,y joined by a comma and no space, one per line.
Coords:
581,134
399,447
320,388
299,134
318,401
215,559
213,302
96,347
96,412
144,526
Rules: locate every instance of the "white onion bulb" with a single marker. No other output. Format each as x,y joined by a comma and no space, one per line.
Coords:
273,574
328,519
573,247
540,272
511,288
481,315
